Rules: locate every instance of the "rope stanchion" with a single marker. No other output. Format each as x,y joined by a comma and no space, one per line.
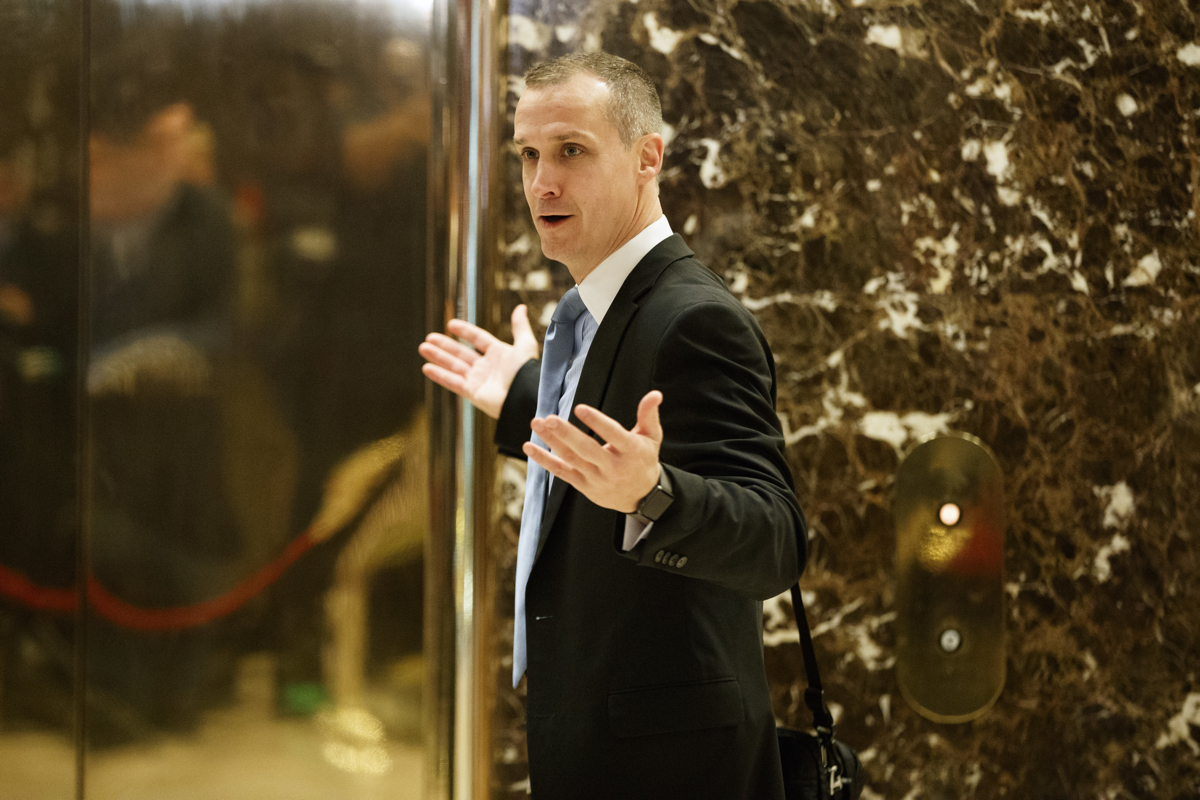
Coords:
134,617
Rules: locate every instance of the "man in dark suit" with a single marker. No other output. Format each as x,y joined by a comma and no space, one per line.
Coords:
660,510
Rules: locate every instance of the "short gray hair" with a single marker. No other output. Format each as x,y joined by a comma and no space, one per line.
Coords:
633,106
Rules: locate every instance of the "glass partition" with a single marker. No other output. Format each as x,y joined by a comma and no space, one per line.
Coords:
210,399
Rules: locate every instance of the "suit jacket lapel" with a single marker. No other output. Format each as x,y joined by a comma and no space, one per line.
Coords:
593,381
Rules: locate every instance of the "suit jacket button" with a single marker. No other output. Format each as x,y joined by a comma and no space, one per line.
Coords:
674,558
658,557
682,561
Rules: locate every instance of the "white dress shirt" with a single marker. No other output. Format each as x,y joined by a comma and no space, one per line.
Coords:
598,290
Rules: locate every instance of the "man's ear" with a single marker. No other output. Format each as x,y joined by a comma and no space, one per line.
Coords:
650,156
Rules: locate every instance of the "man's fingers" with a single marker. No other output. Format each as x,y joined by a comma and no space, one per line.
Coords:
454,348
477,336
572,444
609,429
438,356
648,423
446,378
552,464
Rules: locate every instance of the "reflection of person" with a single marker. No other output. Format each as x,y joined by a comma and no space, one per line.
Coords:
163,263
163,531
671,512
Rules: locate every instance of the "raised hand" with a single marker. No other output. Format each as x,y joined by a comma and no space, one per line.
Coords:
616,474
484,374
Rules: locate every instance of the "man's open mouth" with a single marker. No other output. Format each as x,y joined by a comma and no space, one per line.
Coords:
551,219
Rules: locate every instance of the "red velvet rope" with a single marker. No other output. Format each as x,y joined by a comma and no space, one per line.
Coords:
126,615
40,598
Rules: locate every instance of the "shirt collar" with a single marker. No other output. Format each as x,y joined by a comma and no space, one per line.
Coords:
600,287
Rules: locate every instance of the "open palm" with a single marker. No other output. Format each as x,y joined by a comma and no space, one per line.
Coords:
484,372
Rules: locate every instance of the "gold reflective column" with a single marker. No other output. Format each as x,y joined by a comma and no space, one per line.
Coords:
237,526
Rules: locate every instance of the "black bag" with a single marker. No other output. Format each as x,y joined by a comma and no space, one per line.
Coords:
816,766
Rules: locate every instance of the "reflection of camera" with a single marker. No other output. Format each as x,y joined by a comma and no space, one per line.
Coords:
158,363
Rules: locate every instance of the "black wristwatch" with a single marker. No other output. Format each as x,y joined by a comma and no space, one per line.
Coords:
658,501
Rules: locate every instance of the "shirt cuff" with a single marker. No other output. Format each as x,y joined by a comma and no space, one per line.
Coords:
634,532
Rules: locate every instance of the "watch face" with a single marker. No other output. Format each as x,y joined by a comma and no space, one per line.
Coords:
656,503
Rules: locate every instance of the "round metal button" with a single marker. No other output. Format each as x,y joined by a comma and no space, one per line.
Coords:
950,640
949,514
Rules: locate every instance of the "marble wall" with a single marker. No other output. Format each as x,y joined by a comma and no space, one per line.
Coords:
975,216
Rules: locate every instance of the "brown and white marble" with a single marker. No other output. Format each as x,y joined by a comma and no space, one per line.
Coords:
975,216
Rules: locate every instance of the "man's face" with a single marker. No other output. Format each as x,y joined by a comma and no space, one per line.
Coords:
581,182
131,179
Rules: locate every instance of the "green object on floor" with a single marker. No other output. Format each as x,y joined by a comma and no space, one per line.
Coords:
303,699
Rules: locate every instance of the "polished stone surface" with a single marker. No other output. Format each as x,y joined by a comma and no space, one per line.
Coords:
973,216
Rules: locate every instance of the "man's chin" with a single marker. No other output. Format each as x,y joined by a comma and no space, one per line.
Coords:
555,250
558,258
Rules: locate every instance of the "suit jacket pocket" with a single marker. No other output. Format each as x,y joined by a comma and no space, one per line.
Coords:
679,707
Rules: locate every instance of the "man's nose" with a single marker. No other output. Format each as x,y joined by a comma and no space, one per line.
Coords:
545,180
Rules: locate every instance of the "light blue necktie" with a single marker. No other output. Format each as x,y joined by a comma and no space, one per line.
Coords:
556,358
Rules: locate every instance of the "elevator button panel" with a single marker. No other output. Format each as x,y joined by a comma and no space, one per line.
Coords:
949,516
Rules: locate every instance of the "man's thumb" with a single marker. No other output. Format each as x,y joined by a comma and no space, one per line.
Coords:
648,419
520,322
522,331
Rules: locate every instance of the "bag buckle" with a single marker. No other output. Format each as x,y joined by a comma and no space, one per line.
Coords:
835,780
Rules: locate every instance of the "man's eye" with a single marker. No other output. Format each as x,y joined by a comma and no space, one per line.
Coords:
528,155
572,150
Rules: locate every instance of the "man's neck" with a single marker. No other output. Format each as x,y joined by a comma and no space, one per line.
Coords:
645,217
604,282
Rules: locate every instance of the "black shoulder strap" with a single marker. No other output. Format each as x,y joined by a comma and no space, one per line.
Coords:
814,695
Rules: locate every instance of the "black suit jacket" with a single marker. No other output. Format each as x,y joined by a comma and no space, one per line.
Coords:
646,675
